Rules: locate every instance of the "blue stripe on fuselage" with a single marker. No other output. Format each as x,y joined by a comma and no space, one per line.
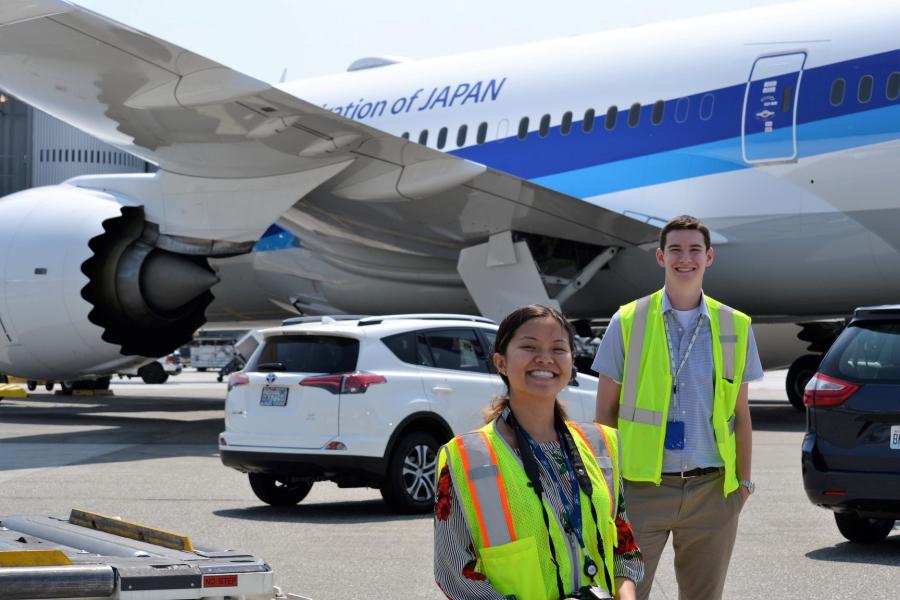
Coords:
276,238
820,137
650,154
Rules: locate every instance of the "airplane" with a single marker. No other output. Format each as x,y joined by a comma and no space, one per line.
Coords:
469,183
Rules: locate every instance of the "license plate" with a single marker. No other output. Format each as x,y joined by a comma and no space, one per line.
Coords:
895,437
273,396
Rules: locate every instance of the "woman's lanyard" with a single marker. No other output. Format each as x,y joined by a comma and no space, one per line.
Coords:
529,451
573,506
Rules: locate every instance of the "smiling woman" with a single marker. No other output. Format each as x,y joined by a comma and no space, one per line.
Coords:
528,456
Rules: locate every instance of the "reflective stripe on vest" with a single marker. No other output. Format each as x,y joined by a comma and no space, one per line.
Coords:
595,438
487,489
728,339
628,410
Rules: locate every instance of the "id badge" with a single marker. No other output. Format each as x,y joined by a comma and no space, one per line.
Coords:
674,435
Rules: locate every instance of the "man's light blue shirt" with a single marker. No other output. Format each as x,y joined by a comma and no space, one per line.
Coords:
694,399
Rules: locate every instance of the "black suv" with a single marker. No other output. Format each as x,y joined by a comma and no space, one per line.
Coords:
851,451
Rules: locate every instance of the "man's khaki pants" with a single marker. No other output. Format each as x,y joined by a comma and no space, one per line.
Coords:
703,523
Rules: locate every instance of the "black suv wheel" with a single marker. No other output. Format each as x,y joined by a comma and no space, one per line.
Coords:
410,480
862,530
277,490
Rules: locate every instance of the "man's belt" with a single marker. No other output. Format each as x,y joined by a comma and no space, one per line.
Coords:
698,472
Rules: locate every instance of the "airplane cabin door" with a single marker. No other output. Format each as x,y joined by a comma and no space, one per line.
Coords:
769,128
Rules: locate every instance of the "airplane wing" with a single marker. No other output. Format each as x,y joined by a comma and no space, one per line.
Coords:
194,117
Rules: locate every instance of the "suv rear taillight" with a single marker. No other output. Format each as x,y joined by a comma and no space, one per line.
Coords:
348,383
823,390
236,379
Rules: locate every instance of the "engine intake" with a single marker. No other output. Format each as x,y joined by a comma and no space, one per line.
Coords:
148,300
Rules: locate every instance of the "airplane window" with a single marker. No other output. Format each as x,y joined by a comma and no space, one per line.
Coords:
588,124
634,114
659,108
893,86
566,126
482,133
442,138
787,99
866,83
42,156
523,128
682,108
461,135
423,137
79,156
611,115
837,92
405,135
707,103
545,126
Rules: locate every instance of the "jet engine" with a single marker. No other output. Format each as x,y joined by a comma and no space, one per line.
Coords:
88,286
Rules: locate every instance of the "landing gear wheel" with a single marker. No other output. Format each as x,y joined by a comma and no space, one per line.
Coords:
201,369
153,373
48,386
31,385
409,482
862,530
3,378
798,376
278,490
67,387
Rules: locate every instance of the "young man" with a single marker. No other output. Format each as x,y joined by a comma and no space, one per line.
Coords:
674,368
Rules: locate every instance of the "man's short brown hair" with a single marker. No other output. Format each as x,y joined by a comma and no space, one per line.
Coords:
684,222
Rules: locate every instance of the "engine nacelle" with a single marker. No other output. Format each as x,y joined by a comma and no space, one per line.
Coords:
88,286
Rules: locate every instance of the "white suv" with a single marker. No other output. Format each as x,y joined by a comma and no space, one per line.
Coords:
364,402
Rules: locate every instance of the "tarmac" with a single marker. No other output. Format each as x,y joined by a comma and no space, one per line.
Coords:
149,454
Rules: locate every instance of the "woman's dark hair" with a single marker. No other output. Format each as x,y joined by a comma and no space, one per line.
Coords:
505,333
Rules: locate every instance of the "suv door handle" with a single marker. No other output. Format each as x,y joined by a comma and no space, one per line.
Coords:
442,388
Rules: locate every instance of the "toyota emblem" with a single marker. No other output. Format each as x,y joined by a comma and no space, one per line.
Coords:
271,377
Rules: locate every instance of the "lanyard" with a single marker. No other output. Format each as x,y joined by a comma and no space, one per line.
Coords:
528,454
573,508
684,357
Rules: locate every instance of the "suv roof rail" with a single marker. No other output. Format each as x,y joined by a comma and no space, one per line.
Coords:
424,317
320,318
867,311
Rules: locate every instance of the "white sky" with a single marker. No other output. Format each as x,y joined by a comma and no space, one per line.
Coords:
263,37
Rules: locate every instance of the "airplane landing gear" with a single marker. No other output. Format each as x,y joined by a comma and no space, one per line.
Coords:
798,375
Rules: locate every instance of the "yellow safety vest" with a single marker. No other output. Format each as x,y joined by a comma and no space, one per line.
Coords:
506,521
647,385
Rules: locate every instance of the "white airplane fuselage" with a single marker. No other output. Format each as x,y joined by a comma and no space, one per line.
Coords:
778,126
805,215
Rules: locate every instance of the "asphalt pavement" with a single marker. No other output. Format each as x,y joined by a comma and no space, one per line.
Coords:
149,454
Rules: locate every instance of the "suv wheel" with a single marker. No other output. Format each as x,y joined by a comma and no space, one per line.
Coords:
278,490
862,530
409,483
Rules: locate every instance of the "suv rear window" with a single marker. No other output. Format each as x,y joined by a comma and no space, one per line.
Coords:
308,354
866,351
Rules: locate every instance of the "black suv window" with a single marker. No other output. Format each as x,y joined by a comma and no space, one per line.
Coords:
457,349
308,354
409,347
866,351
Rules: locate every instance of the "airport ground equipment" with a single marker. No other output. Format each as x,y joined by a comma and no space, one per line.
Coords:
10,390
211,352
94,557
